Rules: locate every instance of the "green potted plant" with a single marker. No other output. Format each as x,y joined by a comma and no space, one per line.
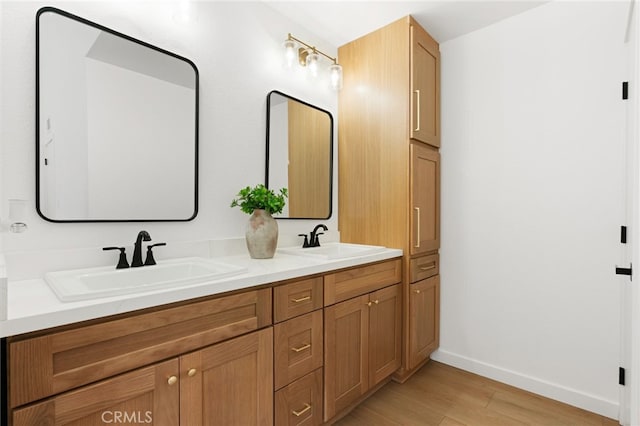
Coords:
262,231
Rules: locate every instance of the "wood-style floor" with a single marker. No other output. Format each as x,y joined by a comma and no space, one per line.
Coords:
446,396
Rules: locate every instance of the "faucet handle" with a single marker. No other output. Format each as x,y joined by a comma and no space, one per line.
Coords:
150,260
306,241
122,260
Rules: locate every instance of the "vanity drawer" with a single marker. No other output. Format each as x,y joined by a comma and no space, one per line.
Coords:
362,280
298,347
424,267
48,364
300,403
297,298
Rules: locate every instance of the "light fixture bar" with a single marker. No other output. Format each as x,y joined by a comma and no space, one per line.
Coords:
290,37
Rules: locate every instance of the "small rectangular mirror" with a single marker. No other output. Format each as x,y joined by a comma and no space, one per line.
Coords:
117,125
300,156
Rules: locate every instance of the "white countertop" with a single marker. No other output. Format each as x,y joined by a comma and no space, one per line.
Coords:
33,306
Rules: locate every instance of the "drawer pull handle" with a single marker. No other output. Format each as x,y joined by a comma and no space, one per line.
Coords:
302,299
301,348
417,244
192,372
417,128
428,268
306,408
172,380
416,291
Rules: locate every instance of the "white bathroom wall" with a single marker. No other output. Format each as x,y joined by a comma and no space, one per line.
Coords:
3,212
532,201
237,48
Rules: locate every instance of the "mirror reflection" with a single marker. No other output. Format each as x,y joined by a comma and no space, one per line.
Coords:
299,155
117,125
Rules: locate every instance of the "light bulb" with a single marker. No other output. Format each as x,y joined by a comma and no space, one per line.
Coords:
335,77
289,53
312,63
17,213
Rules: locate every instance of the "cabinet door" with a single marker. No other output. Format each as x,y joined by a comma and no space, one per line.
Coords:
230,383
425,199
424,319
149,395
346,369
425,87
385,328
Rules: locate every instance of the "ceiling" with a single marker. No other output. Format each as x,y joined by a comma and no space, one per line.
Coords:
339,22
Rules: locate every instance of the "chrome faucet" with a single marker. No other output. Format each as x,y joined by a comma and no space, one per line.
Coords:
137,250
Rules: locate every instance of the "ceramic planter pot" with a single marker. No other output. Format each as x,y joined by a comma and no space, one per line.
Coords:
262,235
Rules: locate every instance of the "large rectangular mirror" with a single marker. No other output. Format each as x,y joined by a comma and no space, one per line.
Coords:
117,125
300,155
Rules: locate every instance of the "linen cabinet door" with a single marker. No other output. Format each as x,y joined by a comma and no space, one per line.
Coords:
424,319
149,395
425,87
385,333
425,199
346,353
230,383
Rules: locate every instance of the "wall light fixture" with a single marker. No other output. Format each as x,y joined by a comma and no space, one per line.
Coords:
17,214
308,56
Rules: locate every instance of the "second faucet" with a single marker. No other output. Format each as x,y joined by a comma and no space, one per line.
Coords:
313,240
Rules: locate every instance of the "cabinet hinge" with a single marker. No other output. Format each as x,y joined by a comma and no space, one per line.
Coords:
625,90
623,234
621,376
625,271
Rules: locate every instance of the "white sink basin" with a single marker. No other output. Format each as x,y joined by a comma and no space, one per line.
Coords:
334,250
84,284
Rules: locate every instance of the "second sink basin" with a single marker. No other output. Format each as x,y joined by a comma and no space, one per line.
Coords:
334,250
85,284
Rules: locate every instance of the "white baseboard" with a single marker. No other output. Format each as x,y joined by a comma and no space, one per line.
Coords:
532,384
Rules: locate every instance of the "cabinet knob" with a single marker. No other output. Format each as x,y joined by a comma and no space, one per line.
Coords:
416,291
191,372
369,304
376,301
306,408
172,380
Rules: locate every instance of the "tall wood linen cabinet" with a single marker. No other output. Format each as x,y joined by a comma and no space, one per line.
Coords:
389,166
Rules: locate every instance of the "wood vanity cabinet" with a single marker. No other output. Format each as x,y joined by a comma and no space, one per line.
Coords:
389,164
362,335
185,364
298,352
228,383
301,357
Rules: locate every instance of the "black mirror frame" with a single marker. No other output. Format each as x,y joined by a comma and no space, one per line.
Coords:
266,168
37,127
